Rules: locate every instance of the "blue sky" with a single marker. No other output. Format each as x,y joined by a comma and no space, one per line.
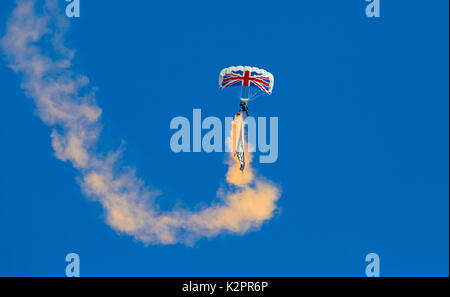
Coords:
363,138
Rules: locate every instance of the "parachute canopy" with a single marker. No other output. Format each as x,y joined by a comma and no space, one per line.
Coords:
246,76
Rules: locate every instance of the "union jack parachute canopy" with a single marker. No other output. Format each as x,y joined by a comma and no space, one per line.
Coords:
246,76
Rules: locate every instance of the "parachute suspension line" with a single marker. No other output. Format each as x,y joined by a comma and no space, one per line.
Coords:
254,93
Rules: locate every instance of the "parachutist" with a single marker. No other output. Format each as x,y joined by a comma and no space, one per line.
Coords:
243,107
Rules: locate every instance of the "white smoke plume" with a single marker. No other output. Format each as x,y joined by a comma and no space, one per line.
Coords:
66,103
